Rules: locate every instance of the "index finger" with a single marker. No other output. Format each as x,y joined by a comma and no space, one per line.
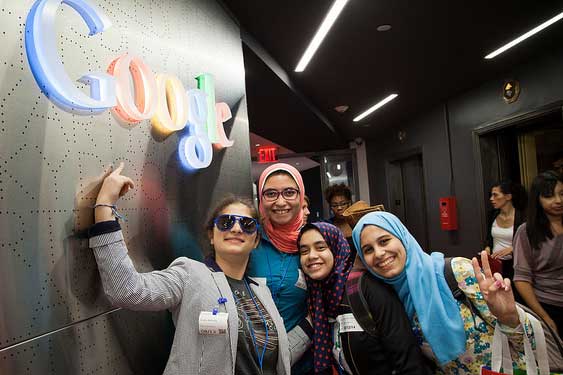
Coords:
485,263
118,169
477,269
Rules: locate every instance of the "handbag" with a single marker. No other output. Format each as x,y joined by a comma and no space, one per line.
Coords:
501,362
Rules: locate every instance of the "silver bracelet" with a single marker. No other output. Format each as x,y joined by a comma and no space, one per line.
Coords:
113,210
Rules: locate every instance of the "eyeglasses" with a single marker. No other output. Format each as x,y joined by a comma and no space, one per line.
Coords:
248,225
340,205
272,195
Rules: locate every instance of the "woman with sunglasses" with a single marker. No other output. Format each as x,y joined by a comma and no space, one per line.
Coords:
226,322
281,194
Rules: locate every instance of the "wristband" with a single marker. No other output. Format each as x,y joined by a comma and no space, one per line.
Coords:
113,210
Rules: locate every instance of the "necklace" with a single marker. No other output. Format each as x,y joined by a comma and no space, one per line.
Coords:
260,356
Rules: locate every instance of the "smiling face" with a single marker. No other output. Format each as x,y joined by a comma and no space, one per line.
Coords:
281,211
383,252
553,205
233,242
316,257
499,199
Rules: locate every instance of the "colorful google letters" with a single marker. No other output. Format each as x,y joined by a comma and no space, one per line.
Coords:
159,97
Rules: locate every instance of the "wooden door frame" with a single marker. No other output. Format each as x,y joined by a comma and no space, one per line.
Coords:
518,119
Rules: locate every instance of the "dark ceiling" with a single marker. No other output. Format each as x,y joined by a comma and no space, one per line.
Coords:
431,53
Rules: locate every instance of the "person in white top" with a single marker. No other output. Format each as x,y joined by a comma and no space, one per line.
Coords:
509,201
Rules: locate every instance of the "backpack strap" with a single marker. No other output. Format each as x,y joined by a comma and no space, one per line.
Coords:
456,290
452,282
359,305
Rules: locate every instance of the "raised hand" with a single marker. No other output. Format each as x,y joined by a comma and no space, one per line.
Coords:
114,186
497,292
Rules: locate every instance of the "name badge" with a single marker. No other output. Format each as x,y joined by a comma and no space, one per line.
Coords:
301,282
348,323
210,324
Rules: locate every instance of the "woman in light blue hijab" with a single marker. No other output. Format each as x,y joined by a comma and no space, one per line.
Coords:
456,339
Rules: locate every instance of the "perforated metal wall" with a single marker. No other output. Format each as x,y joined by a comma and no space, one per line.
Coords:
54,318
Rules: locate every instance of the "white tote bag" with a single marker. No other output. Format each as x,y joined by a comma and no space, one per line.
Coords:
501,350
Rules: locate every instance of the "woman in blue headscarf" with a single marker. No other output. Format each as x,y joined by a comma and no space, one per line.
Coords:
458,340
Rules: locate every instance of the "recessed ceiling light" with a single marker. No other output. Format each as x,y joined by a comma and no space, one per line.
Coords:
383,28
376,107
315,43
341,108
525,36
297,163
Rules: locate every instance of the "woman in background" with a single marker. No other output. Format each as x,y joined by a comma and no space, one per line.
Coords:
538,251
306,209
509,201
339,198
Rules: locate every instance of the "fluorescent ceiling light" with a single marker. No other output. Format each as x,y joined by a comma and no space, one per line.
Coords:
525,36
376,107
329,20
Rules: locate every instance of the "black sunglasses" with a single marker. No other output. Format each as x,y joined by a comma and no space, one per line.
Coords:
248,225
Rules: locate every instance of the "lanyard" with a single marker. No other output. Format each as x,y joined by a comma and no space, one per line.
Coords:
276,289
249,325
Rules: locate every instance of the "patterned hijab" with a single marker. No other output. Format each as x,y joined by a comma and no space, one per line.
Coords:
283,237
325,295
422,288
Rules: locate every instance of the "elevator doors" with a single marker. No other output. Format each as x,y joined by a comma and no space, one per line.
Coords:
407,195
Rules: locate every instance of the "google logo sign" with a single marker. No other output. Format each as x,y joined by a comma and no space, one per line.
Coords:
159,97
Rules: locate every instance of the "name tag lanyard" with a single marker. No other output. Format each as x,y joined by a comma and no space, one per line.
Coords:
249,325
276,291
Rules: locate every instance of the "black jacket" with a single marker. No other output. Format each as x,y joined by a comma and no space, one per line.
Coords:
396,351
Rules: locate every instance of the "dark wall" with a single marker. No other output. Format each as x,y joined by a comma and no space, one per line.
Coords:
541,84
312,182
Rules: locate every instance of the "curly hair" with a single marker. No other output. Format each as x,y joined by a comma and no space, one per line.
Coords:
338,189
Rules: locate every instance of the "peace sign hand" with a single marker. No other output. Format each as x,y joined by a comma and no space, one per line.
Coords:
114,186
497,292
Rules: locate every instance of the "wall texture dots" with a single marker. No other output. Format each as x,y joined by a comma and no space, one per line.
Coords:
54,318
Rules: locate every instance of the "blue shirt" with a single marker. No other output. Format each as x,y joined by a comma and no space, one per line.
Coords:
281,271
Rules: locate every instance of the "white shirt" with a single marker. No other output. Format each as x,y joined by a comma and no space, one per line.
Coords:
502,238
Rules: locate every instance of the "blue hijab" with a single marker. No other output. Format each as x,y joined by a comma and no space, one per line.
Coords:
422,288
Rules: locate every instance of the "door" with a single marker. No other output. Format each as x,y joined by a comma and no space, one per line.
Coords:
407,195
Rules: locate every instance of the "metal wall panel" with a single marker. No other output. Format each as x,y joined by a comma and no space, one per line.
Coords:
53,316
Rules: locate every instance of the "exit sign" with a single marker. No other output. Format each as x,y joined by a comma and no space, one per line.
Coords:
267,154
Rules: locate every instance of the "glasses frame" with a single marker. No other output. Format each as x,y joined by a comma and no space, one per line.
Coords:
238,219
343,204
278,193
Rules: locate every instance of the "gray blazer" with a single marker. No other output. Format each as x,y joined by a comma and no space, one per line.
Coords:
186,288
